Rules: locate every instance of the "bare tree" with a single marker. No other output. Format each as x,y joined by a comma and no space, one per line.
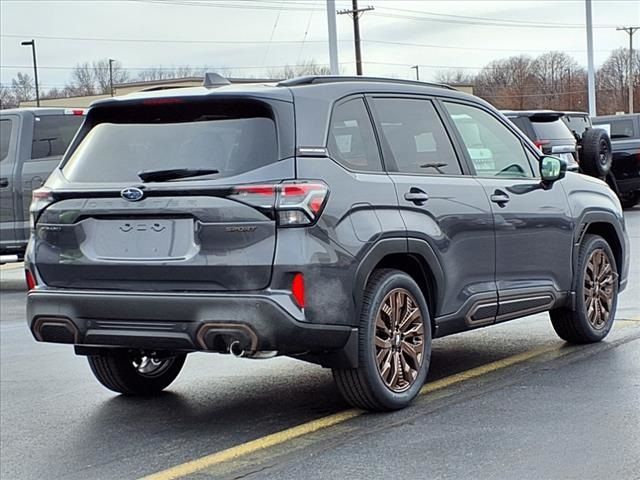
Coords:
169,73
7,98
508,83
23,87
613,82
93,78
455,77
101,76
308,67
82,80
555,73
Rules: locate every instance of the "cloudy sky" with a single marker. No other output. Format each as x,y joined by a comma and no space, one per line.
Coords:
248,37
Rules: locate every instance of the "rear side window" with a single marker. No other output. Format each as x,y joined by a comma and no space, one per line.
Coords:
52,134
5,137
232,138
417,139
351,141
554,130
619,128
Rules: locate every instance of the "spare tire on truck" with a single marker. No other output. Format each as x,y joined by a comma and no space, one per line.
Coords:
596,156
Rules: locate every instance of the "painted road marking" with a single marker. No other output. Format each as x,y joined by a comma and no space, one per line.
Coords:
208,461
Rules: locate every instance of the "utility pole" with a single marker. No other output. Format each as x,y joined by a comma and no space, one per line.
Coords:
111,60
591,75
630,31
32,43
417,69
333,37
111,76
355,13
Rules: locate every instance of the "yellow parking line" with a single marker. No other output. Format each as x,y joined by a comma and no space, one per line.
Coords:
283,436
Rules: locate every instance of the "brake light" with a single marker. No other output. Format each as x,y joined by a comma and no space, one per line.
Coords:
297,289
31,281
40,199
541,143
162,101
295,203
74,111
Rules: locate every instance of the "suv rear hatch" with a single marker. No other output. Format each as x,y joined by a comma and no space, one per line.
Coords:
550,134
161,195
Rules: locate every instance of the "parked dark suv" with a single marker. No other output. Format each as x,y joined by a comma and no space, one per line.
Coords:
342,221
567,135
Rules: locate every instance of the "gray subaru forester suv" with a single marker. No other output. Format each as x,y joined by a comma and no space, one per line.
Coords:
341,221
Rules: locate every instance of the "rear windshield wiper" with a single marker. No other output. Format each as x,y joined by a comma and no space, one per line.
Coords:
174,174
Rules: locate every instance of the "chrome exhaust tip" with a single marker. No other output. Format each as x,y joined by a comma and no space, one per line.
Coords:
236,350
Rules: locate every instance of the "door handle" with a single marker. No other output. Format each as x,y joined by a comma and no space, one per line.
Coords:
416,196
499,197
4,182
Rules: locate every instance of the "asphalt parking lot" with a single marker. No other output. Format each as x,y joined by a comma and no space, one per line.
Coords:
510,401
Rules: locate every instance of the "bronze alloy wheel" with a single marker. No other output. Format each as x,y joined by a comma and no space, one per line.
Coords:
399,340
598,288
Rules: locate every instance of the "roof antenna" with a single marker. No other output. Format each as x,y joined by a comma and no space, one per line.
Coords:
212,80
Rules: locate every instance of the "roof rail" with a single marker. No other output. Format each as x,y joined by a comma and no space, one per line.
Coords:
316,79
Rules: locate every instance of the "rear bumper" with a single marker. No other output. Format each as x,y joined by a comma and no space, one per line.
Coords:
178,321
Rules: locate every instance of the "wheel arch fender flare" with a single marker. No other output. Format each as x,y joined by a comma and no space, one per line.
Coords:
607,225
417,248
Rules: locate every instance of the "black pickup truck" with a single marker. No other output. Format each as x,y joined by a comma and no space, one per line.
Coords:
624,131
32,142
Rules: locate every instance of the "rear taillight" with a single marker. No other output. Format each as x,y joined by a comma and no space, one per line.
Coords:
540,144
301,203
75,111
40,199
296,203
31,280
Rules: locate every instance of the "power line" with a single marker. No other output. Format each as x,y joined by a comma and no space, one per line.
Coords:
490,21
158,40
390,14
291,6
261,42
460,47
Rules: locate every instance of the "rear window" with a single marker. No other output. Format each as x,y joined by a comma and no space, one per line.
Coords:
189,138
619,128
577,123
5,137
52,134
554,130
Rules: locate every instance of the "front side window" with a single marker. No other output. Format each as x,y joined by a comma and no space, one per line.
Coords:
352,142
416,137
493,148
5,137
52,134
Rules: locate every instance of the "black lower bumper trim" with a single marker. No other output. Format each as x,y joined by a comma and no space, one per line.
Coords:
178,322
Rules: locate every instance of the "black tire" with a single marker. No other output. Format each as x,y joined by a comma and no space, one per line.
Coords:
574,325
630,200
596,155
364,387
116,371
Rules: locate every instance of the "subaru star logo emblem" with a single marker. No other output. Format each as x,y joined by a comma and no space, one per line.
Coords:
133,194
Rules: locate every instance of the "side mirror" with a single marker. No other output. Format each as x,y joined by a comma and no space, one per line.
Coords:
552,169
